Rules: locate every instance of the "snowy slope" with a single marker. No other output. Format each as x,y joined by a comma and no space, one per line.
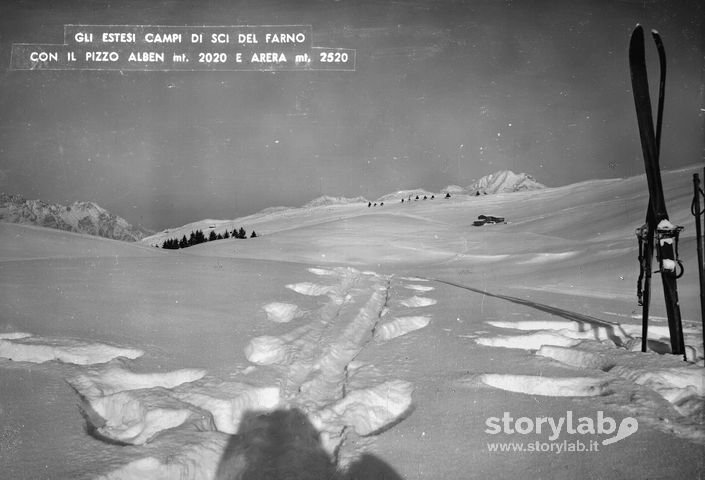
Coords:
381,340
270,220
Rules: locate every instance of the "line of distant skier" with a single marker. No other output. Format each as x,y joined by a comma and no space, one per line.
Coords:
425,197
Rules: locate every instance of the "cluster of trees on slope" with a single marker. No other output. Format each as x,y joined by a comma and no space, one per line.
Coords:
198,237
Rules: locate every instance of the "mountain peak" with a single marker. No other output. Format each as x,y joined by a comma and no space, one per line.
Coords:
79,217
330,200
503,181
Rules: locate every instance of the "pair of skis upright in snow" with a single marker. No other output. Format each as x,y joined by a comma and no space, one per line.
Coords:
657,226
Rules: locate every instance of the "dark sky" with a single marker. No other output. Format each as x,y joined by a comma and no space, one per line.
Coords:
444,92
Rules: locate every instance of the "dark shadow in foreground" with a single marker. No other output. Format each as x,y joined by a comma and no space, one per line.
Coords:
285,445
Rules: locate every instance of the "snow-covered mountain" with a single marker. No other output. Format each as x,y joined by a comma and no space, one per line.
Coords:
411,193
79,217
328,200
503,181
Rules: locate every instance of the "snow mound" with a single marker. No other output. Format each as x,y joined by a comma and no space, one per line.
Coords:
419,288
684,387
547,386
133,407
550,332
322,272
536,324
311,289
267,350
137,416
531,341
14,335
42,349
418,301
282,312
371,409
227,402
400,326
575,358
117,379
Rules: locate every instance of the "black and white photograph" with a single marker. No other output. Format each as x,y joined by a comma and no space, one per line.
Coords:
352,239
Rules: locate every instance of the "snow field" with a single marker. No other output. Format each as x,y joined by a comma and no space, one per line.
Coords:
317,372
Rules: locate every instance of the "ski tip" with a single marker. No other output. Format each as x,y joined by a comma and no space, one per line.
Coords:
654,32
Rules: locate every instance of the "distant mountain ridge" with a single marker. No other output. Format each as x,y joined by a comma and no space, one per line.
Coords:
79,217
504,181
325,200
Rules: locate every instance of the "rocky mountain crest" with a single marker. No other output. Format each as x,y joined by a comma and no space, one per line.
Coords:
79,217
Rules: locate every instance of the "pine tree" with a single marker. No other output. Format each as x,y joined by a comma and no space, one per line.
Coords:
183,243
219,236
212,236
242,233
254,235
226,235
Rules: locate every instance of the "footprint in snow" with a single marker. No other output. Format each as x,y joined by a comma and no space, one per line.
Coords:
416,301
282,312
322,272
419,288
400,326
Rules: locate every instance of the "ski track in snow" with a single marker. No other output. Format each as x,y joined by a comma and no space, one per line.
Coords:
314,361
312,369
611,353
